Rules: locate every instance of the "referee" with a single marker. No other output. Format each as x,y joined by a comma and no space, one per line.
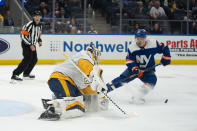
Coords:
30,35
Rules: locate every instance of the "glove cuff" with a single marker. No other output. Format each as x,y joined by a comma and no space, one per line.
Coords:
166,57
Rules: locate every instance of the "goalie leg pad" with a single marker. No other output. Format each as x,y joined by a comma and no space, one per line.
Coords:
103,103
96,102
91,102
69,107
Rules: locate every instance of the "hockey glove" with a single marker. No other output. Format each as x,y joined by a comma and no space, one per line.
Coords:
137,71
165,60
98,85
97,82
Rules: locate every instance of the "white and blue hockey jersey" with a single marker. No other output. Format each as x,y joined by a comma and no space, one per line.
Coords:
143,58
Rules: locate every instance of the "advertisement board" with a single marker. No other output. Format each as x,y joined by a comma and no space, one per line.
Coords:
113,47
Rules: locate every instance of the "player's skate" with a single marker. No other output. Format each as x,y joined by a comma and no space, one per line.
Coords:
139,93
137,101
50,115
45,104
15,79
28,77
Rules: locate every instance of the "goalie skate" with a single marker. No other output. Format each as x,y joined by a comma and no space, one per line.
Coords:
45,104
49,116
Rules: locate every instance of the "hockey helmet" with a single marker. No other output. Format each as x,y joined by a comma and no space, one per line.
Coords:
94,53
36,12
140,33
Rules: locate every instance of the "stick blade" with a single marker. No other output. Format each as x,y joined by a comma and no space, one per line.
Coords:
132,114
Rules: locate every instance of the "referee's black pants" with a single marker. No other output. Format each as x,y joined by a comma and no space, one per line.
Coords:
29,61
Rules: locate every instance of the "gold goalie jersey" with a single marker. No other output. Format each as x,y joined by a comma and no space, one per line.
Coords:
68,71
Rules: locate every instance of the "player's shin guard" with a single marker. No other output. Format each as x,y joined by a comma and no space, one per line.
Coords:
125,77
91,102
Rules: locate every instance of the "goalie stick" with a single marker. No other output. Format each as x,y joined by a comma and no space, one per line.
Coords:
87,78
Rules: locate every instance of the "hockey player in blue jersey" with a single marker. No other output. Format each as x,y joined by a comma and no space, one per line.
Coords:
140,64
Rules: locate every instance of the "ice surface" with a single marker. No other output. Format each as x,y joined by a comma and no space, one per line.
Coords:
12,108
178,84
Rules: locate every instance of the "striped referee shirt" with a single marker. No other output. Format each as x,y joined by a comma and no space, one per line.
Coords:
31,33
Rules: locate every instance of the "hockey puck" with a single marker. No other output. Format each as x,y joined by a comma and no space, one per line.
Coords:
166,101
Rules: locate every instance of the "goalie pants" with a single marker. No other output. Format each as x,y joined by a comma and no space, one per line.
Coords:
63,88
127,76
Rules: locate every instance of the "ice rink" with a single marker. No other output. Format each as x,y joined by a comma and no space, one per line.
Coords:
21,103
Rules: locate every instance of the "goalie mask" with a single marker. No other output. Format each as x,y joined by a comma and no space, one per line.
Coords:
94,53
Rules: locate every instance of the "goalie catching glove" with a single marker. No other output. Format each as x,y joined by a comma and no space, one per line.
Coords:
97,83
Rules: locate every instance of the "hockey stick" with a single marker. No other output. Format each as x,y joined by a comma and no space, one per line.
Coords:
150,68
126,114
87,78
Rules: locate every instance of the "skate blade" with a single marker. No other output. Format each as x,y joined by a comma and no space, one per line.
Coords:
133,114
49,119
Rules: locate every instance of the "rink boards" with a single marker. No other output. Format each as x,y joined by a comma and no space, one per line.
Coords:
113,47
